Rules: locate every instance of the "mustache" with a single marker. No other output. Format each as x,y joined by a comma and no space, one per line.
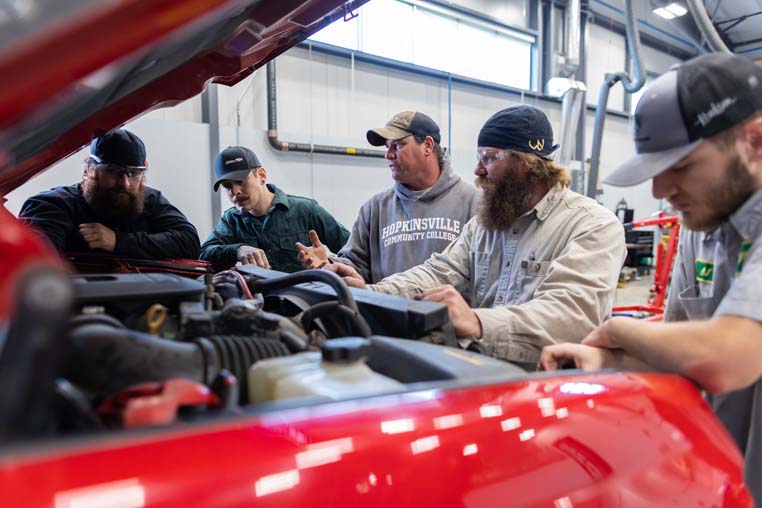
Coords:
238,199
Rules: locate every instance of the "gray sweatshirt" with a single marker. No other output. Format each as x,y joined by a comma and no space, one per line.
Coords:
399,228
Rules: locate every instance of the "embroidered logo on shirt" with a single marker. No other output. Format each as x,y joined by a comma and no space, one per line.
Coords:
704,271
742,253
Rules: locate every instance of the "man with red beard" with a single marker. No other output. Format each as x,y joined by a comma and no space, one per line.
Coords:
698,135
538,264
111,209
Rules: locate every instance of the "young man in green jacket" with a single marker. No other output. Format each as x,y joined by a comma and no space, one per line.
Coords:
265,223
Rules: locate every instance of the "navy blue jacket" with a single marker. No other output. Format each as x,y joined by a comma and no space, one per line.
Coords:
160,232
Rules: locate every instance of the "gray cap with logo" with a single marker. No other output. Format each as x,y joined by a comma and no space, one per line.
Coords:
687,104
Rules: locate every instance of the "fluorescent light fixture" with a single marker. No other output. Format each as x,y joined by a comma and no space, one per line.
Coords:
664,13
676,9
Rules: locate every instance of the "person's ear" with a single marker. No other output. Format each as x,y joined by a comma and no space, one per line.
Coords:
261,175
752,139
428,145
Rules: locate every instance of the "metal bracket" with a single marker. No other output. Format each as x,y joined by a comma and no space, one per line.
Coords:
348,14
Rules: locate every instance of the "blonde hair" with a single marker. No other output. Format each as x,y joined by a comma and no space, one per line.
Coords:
544,170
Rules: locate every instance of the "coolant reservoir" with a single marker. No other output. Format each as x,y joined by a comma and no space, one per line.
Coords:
265,374
341,374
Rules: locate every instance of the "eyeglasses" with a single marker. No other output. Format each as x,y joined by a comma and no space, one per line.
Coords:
119,172
486,158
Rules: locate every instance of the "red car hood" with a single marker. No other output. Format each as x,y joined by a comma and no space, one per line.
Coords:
68,76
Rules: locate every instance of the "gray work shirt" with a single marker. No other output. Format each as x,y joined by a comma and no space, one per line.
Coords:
720,274
550,277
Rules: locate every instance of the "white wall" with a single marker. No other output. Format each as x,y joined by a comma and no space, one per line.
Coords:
177,152
321,100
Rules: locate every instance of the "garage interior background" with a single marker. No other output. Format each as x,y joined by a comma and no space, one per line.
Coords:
329,95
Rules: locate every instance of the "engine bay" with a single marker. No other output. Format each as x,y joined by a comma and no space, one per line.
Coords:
139,350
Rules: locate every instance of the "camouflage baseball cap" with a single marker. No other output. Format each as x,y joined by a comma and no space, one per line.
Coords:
402,125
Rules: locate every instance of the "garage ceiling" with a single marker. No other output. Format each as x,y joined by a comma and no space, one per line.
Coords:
739,23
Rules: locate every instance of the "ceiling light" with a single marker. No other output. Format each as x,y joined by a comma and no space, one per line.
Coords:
676,9
664,13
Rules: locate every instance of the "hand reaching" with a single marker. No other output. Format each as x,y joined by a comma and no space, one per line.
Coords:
249,255
575,356
463,318
346,272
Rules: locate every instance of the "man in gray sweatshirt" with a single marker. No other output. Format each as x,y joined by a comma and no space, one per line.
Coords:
425,210
538,265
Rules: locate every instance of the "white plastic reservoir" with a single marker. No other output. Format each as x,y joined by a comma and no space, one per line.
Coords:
340,373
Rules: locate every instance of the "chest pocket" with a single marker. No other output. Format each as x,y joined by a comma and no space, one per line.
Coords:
288,241
697,301
531,274
287,245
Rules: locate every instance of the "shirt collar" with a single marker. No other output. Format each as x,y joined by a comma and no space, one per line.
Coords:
748,218
548,202
281,198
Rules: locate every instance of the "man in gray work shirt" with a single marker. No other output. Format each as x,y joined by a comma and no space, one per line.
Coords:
424,211
698,134
538,264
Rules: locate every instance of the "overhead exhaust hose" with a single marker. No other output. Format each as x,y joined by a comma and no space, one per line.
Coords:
706,27
630,86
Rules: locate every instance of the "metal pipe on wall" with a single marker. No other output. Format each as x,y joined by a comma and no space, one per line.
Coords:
631,85
290,146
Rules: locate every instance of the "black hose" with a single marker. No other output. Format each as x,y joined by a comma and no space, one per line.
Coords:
342,290
92,319
102,359
359,325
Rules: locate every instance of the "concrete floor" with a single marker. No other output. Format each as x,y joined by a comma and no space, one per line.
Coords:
634,292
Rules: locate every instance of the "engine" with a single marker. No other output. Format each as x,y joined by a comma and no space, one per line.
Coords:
144,349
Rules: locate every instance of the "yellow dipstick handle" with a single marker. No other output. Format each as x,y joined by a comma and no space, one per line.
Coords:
155,316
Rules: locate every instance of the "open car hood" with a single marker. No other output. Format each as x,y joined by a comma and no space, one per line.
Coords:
99,64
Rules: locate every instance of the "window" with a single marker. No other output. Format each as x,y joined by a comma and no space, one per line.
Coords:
424,34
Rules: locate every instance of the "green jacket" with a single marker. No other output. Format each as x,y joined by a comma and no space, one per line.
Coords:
289,220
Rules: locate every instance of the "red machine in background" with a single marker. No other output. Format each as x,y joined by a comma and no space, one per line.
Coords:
666,251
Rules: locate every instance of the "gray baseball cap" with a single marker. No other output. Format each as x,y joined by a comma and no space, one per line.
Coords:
687,104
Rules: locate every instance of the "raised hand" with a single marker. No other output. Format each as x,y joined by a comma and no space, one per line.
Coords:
315,256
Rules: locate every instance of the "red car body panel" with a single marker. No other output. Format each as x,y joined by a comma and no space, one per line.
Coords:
605,440
582,440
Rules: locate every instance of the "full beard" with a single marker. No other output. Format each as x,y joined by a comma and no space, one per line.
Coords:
504,201
115,205
726,200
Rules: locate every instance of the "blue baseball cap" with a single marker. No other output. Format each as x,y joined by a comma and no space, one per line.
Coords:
521,128
119,148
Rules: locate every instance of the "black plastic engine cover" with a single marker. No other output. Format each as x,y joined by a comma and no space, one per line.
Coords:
386,314
100,289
